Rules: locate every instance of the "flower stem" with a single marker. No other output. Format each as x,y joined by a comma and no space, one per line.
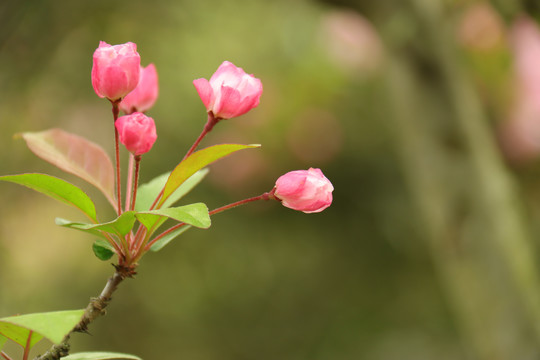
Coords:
95,309
136,183
129,183
115,112
265,196
210,123
114,244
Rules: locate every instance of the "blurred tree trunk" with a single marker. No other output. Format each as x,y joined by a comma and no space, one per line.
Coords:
469,206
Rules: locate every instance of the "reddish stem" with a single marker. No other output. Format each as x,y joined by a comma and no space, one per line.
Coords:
115,112
5,356
111,241
136,183
138,238
265,196
157,199
129,182
210,123
27,347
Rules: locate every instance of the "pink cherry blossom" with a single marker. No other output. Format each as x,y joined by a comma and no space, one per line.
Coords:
304,190
230,92
145,94
115,72
137,132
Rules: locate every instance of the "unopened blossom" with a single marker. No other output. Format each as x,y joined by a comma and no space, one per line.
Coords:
115,71
145,94
304,190
137,132
230,92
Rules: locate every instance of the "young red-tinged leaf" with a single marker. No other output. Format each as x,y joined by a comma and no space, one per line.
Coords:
57,189
101,356
194,163
76,155
52,325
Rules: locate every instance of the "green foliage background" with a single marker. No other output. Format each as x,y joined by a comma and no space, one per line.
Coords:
358,281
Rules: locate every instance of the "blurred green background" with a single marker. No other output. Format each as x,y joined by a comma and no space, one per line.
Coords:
429,250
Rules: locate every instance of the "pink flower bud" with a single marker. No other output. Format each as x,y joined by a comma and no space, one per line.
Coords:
230,92
145,94
115,72
304,190
137,132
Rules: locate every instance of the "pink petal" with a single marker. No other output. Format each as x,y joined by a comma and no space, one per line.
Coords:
114,87
227,74
290,184
228,103
206,92
247,104
145,94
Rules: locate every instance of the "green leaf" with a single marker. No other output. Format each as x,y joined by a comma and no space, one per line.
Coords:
3,340
193,214
52,325
57,189
18,334
147,193
160,244
76,155
194,163
78,226
101,356
120,226
103,250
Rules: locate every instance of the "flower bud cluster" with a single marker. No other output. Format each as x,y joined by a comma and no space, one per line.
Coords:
230,92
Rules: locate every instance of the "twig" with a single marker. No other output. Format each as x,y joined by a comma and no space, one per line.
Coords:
95,309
